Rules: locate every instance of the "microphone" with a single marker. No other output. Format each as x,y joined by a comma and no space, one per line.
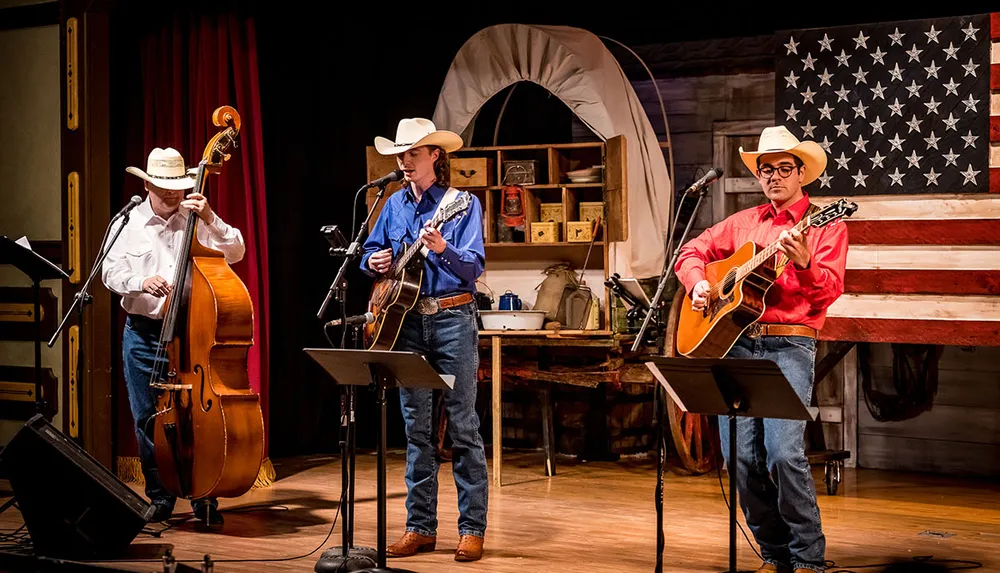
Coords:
366,318
134,202
383,181
708,178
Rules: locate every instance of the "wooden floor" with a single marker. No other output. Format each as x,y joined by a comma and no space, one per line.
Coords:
597,516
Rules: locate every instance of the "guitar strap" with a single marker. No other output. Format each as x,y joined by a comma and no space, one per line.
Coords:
450,195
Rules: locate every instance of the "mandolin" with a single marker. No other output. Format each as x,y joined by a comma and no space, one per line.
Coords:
396,292
739,284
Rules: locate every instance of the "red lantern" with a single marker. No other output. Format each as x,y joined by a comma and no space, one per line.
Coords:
513,205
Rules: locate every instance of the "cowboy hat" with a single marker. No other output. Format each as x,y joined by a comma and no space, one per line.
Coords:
779,140
165,169
417,131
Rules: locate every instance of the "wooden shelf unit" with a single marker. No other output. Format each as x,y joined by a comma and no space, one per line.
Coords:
551,186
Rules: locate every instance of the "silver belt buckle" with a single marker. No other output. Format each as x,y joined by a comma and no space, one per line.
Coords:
754,331
427,305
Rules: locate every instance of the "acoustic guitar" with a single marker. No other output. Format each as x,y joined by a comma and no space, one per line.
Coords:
396,292
739,284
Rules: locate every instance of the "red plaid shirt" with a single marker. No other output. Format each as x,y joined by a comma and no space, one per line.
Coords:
799,296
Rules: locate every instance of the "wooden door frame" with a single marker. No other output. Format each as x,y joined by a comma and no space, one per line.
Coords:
85,145
730,182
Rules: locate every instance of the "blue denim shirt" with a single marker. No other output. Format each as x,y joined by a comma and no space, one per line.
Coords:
456,269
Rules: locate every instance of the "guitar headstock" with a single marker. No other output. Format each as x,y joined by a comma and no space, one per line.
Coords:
460,204
833,212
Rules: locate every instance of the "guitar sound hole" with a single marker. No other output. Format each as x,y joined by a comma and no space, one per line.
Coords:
728,283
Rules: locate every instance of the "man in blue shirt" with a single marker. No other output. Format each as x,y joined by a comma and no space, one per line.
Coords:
442,326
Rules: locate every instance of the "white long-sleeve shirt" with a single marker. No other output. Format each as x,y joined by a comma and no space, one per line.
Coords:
148,246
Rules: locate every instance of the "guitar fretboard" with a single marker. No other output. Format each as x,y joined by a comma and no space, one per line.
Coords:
411,251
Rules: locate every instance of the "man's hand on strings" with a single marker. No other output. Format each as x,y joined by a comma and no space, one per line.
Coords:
432,239
156,286
792,244
380,261
699,295
199,204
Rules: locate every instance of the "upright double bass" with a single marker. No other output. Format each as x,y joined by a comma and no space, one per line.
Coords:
209,434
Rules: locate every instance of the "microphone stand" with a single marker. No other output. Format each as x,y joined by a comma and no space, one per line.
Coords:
659,403
82,298
346,557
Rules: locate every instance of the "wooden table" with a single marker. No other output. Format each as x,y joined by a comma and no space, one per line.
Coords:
496,339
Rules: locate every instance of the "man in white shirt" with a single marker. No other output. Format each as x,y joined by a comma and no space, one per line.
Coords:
140,268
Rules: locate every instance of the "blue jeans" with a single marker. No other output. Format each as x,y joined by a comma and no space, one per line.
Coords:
775,485
139,341
450,342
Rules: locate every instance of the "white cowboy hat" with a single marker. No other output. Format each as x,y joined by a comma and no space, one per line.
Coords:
417,131
165,169
779,140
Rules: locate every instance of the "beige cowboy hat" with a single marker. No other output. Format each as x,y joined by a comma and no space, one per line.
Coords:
416,131
165,169
779,140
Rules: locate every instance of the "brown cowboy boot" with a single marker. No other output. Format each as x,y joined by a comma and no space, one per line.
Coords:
767,568
410,544
470,548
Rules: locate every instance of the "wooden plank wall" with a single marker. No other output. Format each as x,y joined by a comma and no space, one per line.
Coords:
958,435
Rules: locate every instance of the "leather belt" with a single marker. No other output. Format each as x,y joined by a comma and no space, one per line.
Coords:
756,330
432,305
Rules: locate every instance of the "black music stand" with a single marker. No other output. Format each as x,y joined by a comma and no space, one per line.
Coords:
383,369
38,269
751,388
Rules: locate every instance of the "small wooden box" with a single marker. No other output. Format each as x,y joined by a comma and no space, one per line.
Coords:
551,212
544,232
591,210
579,231
470,171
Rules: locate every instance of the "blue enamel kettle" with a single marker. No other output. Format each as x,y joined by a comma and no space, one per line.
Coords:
509,301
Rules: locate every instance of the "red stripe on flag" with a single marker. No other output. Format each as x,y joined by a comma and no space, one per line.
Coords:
947,332
994,179
924,232
995,25
995,77
995,127
879,281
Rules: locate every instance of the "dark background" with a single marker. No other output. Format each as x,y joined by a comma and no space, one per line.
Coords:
335,75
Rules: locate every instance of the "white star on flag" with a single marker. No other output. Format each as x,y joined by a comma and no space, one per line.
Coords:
792,112
878,92
824,78
914,159
897,177
951,87
969,174
859,76
951,122
791,45
897,37
950,158
842,161
824,180
859,179
808,128
825,43
807,96
791,78
896,108
914,53
877,55
859,110
932,70
842,58
970,140
860,144
807,62
914,124
861,40
842,94
825,112
877,125
896,143
932,105
970,33
950,52
914,89
932,141
842,128
932,178
896,73
970,68
877,160
932,35
970,104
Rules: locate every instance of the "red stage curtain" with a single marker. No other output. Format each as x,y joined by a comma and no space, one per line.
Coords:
193,63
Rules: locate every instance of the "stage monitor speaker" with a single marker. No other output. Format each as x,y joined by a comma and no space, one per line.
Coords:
72,506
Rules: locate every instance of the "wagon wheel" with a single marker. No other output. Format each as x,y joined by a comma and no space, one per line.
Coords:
693,436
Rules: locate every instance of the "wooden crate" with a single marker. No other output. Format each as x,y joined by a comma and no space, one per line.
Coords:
471,171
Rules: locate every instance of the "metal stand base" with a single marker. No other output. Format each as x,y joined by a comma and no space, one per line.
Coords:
333,560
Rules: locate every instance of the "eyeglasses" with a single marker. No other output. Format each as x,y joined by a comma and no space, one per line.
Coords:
766,171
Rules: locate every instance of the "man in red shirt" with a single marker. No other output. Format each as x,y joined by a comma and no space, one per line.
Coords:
776,489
